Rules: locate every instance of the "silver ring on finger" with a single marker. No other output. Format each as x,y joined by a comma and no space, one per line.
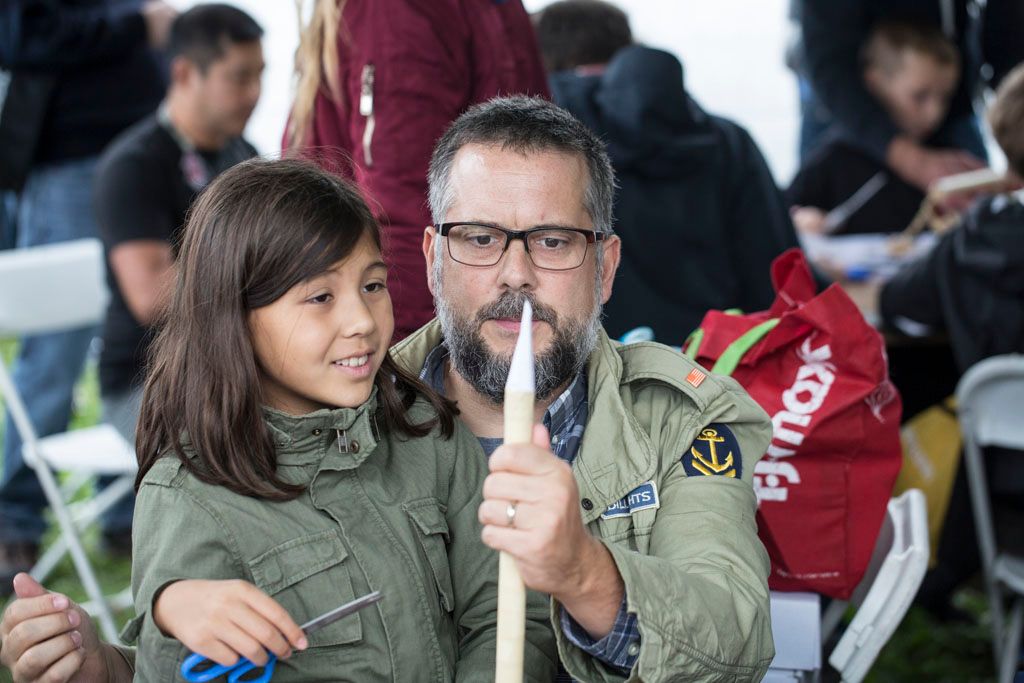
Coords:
510,514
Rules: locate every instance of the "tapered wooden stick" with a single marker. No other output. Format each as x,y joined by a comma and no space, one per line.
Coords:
971,182
519,390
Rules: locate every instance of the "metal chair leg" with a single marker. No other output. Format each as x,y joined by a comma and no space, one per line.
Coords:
1010,646
78,557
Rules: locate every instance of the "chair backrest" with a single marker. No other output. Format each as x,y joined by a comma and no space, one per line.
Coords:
990,397
52,288
888,587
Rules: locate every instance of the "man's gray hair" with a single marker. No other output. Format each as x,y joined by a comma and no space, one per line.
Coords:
524,124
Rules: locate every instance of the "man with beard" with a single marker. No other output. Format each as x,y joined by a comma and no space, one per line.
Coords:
633,508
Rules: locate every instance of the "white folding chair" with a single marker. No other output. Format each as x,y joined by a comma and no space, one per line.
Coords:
50,289
990,399
796,629
889,585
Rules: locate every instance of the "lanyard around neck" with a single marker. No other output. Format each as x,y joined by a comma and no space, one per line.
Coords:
194,168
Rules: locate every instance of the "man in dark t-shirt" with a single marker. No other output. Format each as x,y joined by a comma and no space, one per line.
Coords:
150,175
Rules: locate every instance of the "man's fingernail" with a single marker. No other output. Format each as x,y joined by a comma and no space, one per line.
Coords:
303,643
60,602
73,618
76,638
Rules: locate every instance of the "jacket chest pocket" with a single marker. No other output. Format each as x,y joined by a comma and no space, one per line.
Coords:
633,530
431,532
309,576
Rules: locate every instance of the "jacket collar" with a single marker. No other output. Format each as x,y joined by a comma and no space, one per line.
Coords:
349,434
616,455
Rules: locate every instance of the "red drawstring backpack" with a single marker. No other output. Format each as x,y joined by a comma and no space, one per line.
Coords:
820,371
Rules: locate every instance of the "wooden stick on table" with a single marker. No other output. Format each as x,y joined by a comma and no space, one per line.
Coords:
519,395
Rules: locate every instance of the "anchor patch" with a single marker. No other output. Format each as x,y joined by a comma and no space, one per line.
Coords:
715,452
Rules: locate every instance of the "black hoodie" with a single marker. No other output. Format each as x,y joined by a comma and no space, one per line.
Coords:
697,209
95,64
971,285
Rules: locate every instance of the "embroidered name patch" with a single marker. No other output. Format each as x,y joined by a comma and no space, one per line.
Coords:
715,452
643,497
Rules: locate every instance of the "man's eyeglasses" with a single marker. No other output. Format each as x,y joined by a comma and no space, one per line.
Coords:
480,244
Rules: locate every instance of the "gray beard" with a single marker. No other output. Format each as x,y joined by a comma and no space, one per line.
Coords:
487,372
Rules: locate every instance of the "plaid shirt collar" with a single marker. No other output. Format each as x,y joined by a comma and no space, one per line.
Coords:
565,418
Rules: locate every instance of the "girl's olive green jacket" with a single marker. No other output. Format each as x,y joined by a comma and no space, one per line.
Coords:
380,512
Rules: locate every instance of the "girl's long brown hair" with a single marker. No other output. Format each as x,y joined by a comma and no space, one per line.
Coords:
259,229
316,61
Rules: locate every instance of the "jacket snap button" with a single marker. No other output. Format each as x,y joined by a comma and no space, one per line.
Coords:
353,446
587,504
317,432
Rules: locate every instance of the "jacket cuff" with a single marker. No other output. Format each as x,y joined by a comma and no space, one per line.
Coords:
583,665
618,649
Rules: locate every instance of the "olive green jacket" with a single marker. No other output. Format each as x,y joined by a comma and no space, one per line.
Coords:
694,570
381,512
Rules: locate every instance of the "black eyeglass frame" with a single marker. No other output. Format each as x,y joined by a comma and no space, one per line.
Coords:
592,237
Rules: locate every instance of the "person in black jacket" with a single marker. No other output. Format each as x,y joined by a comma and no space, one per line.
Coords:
94,61
971,286
697,209
833,32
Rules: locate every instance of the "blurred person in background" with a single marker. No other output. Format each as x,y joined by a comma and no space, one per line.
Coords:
149,176
96,72
700,216
912,70
378,83
970,287
833,32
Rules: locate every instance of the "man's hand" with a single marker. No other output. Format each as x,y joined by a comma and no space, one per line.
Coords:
158,16
921,166
46,637
553,550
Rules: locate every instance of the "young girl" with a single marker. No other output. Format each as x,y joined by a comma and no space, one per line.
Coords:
279,445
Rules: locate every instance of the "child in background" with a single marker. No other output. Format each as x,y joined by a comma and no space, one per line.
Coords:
912,71
971,287
280,446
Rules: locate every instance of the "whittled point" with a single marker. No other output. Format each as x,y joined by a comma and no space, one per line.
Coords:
520,374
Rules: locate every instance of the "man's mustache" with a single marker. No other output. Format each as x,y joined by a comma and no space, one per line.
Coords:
510,305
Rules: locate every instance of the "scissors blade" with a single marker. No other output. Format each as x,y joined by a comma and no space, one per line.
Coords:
839,215
340,612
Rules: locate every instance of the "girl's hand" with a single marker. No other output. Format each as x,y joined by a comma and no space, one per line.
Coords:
808,220
225,620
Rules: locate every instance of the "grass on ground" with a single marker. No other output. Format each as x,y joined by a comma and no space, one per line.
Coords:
920,650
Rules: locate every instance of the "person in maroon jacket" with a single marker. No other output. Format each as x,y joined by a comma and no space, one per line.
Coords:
379,81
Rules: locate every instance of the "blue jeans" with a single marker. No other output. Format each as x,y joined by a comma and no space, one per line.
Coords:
8,218
55,206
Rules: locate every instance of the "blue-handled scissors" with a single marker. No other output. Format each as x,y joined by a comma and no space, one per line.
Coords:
243,666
